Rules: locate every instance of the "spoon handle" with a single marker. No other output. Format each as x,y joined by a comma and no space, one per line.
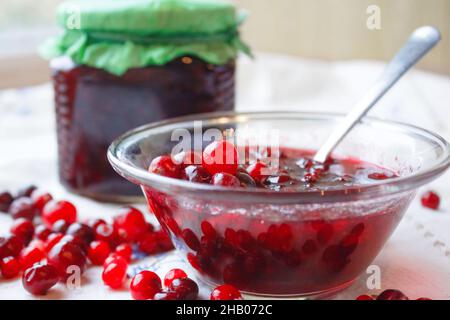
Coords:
420,42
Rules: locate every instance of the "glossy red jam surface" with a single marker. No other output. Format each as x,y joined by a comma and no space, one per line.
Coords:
281,249
94,107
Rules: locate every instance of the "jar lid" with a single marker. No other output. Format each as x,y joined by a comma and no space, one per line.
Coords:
149,17
116,35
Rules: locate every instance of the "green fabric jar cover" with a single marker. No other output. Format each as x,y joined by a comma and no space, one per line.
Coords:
116,35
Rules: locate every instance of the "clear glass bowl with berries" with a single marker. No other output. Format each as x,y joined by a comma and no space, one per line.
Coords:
247,206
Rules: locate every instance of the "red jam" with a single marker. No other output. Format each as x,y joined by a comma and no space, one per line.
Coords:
93,107
283,249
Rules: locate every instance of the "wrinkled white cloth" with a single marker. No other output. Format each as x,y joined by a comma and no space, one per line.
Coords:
415,260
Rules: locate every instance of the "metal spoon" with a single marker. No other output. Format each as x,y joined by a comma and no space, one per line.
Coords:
420,42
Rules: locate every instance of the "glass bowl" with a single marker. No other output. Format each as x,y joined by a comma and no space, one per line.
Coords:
301,244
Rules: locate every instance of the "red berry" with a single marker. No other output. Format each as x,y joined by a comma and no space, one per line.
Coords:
225,180
196,174
220,156
106,232
114,273
60,226
256,170
208,230
184,288
10,267
163,240
423,298
23,208
61,210
64,255
98,252
430,200
165,295
145,285
76,241
391,294
124,250
172,275
148,243
187,158
226,292
365,297
164,166
130,224
26,191
113,257
81,231
379,176
10,246
39,279
42,232
190,239
52,240
5,201
30,256
94,223
23,229
41,198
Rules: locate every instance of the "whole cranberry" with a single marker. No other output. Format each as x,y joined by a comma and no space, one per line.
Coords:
225,180
145,285
64,255
187,158
52,240
165,295
430,200
256,171
23,229
163,240
197,174
94,223
113,257
76,241
10,267
124,250
392,294
10,245
61,210
220,156
172,275
31,255
226,292
130,224
60,226
41,232
106,232
98,252
185,288
22,208
148,243
364,297
246,180
114,273
39,279
165,166
82,231
26,191
40,198
5,201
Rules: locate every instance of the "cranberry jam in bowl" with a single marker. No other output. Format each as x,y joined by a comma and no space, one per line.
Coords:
245,204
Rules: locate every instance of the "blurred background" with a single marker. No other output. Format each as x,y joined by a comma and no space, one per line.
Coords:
317,29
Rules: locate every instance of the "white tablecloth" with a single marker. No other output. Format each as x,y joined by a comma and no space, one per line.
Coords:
416,259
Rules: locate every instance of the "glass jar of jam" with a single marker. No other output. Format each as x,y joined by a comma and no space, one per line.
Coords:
124,64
